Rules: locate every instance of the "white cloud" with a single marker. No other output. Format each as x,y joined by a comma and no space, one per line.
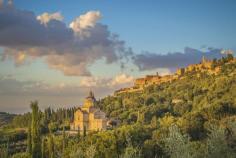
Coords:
81,23
46,17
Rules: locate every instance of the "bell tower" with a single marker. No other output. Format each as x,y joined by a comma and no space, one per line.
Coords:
89,102
203,59
91,95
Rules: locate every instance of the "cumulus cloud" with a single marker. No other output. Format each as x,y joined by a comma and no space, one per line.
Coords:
81,23
20,30
69,49
149,61
46,17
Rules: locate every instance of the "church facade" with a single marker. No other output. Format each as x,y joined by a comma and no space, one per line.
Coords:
88,117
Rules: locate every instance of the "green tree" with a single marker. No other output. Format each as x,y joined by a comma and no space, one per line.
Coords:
63,140
176,144
77,154
51,146
230,57
217,146
21,155
141,118
84,131
43,148
78,136
29,141
90,151
35,130
131,151
4,151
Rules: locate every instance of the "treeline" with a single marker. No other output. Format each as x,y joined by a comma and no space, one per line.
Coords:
48,117
5,118
58,116
40,137
15,132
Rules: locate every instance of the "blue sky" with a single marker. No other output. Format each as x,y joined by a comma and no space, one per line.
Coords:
155,30
155,25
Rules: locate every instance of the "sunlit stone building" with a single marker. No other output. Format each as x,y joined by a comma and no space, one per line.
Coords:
89,117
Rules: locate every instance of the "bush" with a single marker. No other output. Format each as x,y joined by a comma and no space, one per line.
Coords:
21,155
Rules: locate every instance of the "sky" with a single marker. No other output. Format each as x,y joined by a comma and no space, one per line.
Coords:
56,51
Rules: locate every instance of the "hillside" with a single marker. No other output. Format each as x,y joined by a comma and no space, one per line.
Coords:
193,115
194,91
5,118
197,103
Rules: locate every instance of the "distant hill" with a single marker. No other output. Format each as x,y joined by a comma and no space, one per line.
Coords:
5,118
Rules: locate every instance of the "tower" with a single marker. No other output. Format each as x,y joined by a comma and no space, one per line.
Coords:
204,60
91,94
89,102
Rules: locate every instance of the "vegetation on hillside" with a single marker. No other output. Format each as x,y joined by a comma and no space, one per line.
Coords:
193,117
5,118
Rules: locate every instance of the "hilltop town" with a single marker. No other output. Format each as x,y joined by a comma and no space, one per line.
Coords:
208,66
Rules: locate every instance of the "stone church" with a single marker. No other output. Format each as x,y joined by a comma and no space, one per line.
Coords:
89,117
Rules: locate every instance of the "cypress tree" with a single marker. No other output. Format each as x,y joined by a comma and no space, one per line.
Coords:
4,151
29,141
84,131
43,148
35,131
140,118
78,135
51,146
63,141
7,150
